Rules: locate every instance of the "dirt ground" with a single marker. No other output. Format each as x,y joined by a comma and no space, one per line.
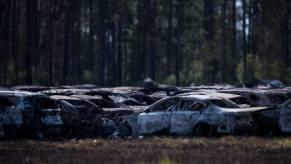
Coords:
164,150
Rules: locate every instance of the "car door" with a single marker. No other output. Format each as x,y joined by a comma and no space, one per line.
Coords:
156,119
69,113
185,116
9,114
285,117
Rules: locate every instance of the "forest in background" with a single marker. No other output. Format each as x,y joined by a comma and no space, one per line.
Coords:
122,42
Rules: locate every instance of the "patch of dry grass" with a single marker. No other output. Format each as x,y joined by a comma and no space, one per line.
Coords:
164,150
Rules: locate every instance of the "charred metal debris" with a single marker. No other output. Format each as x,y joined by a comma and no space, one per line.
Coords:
127,112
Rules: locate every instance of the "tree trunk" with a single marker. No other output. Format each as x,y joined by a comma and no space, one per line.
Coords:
253,29
152,38
169,47
31,25
209,65
102,5
179,33
15,38
119,51
286,58
66,42
244,42
250,25
233,28
50,46
76,41
223,61
91,59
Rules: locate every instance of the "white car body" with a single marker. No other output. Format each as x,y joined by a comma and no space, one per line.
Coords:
181,121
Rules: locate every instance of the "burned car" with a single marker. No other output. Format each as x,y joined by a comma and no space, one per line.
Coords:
83,118
123,99
142,97
285,117
97,100
10,117
104,94
135,93
235,98
199,115
41,115
260,97
69,114
108,110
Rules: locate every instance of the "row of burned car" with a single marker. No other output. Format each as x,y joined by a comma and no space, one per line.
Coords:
131,112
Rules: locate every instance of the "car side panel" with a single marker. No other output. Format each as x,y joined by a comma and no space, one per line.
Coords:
148,123
285,119
182,122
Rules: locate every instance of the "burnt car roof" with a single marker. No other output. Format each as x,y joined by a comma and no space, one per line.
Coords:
242,90
21,93
201,97
215,94
61,97
87,97
126,89
65,91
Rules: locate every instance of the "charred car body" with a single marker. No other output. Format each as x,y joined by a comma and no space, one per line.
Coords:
83,117
260,97
195,114
41,115
285,117
235,98
274,98
10,117
89,111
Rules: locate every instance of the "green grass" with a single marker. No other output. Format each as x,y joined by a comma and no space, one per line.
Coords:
162,150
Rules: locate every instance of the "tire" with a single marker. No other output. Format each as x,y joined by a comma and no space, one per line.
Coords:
204,130
265,128
124,129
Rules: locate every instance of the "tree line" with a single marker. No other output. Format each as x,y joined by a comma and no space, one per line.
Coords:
122,42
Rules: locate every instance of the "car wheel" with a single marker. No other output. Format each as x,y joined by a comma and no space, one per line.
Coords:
204,130
265,128
124,129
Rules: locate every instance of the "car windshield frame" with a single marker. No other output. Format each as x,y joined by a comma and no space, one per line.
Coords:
277,98
52,103
243,101
230,104
149,109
